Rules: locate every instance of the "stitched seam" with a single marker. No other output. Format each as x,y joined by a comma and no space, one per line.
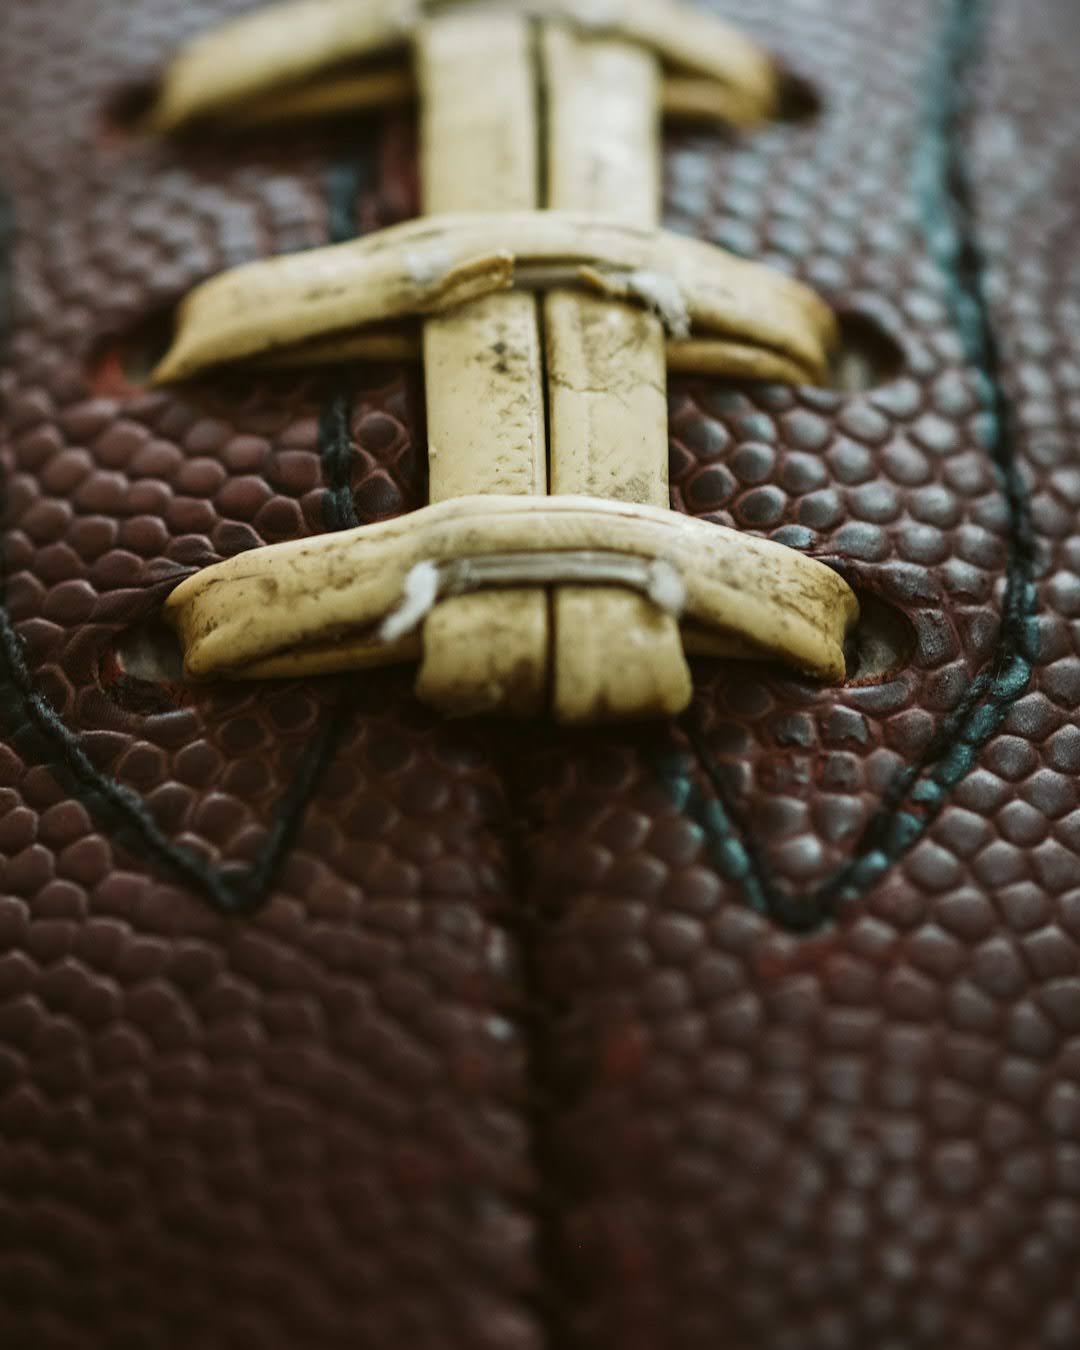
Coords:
335,456
526,925
233,890
344,184
914,799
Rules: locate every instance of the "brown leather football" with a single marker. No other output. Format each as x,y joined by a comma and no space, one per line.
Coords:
329,1020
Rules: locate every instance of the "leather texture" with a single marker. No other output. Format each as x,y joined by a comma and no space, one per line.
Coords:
326,1022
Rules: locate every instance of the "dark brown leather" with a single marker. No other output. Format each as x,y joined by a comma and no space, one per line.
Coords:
758,1031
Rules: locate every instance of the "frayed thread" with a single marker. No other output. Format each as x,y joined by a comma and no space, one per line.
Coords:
418,596
666,588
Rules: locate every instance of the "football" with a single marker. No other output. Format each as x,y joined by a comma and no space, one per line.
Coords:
540,675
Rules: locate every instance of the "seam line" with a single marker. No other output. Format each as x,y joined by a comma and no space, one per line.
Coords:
911,803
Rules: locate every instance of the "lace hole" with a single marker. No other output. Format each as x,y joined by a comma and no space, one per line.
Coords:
143,670
799,100
867,356
123,363
126,112
882,643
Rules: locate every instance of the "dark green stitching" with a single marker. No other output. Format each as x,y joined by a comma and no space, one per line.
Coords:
39,732
918,792
344,185
335,454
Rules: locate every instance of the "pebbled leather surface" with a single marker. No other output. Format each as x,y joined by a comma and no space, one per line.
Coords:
720,1033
